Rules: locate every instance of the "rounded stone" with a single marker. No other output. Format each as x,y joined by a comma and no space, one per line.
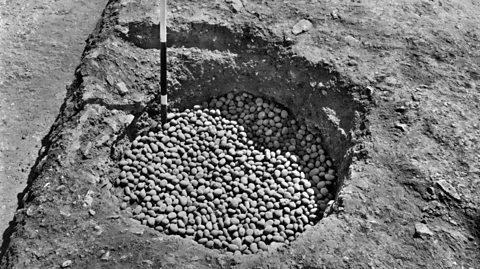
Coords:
233,247
262,245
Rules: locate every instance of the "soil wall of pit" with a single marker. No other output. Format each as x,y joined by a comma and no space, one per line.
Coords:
211,60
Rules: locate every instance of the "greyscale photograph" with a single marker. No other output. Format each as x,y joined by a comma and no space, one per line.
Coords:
238,134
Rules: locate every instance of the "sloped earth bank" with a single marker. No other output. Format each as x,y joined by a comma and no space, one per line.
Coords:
41,44
392,89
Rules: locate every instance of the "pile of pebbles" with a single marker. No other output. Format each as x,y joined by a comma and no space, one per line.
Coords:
237,173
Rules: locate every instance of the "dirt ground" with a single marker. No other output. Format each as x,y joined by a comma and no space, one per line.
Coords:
402,101
41,43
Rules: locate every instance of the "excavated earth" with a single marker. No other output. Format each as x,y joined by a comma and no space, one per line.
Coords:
389,89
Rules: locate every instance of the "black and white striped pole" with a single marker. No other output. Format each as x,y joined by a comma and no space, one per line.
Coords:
163,60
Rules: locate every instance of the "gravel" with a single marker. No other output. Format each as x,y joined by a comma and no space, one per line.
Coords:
237,173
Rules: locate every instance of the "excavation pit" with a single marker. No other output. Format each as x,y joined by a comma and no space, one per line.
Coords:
265,212
111,108
236,173
257,146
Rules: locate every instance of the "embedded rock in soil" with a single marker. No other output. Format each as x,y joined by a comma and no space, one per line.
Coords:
301,27
237,173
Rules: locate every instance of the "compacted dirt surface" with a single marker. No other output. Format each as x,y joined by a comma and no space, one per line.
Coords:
391,88
41,44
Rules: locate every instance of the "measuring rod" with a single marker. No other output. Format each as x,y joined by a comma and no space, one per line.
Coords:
163,60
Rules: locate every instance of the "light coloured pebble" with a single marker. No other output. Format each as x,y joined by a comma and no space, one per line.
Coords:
233,247
262,245
173,228
278,238
235,202
237,241
249,239
254,247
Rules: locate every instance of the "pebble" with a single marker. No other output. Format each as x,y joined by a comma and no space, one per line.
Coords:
66,263
324,191
183,200
233,247
329,177
173,228
447,188
278,238
254,247
172,215
421,230
249,239
218,192
235,202
237,241
234,181
262,245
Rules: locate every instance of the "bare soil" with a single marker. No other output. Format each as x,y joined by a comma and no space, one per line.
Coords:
394,88
41,44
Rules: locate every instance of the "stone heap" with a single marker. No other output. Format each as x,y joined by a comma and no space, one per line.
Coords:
237,173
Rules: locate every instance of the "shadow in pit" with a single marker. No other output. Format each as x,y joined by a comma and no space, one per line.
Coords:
473,223
203,36
6,239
